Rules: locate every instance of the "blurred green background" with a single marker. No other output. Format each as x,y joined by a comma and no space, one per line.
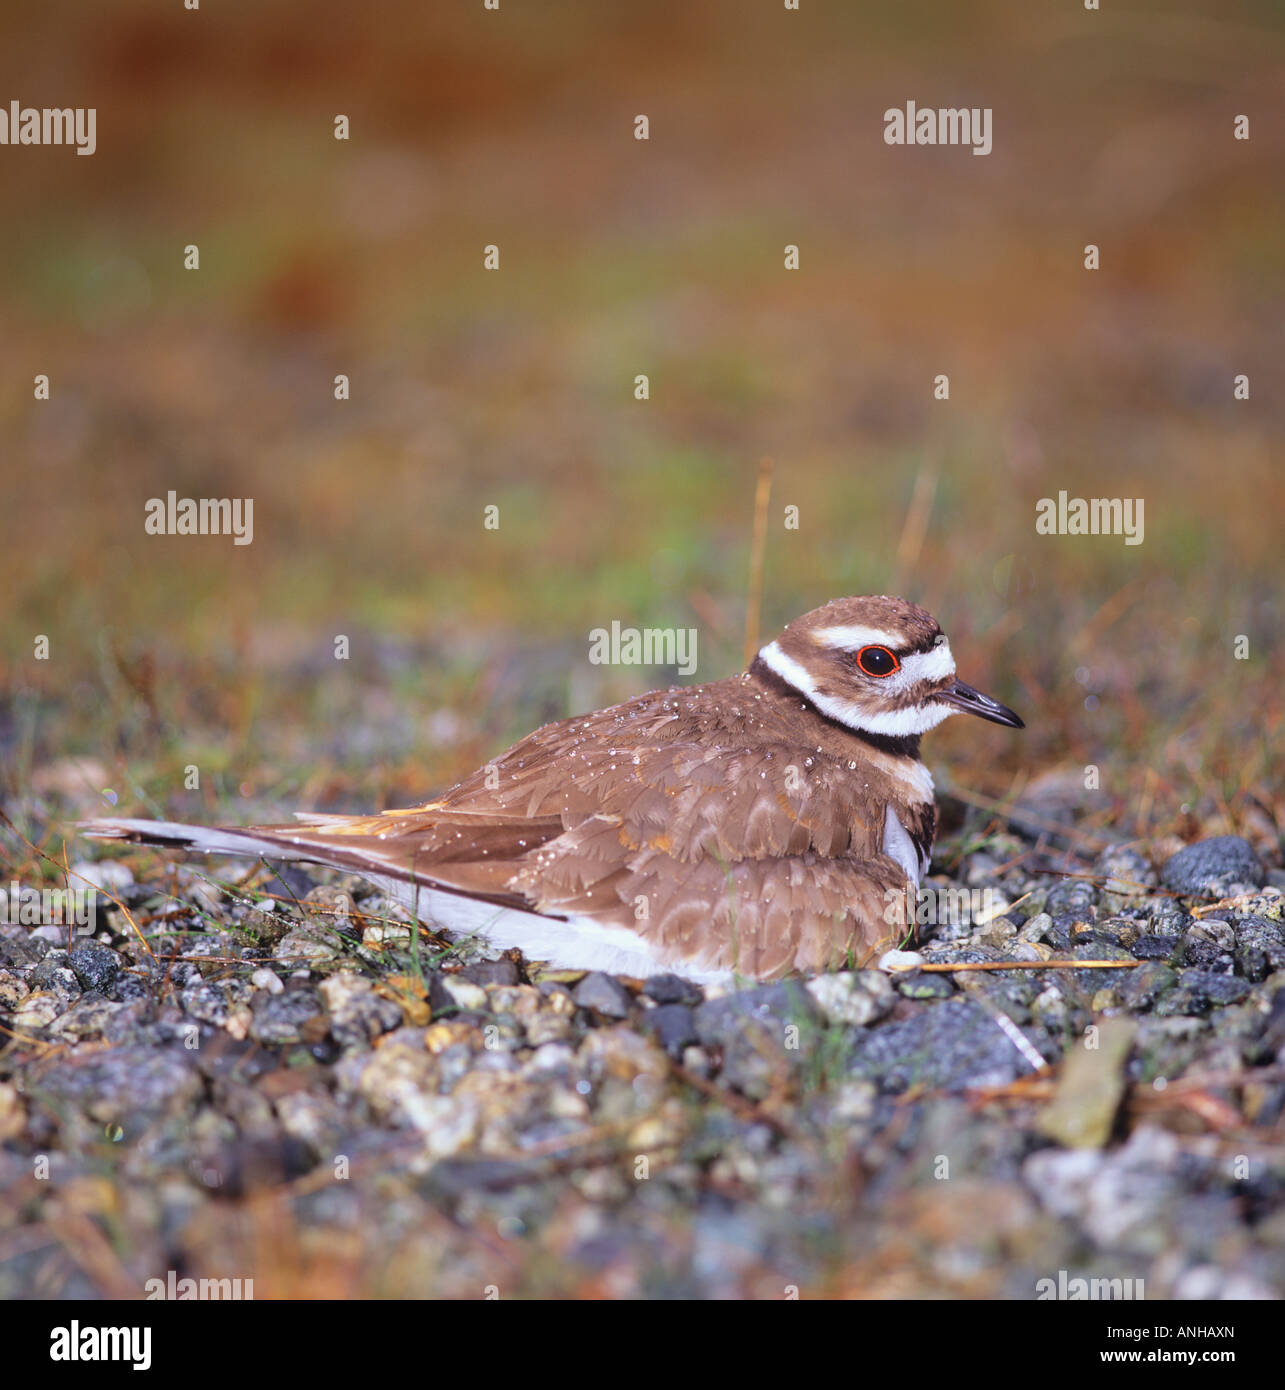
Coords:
515,388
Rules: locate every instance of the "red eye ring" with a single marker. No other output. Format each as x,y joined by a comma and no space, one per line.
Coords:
877,661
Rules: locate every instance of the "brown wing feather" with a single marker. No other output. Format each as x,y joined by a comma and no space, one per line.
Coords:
699,822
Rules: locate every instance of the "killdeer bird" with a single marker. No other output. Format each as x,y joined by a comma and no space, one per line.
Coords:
770,823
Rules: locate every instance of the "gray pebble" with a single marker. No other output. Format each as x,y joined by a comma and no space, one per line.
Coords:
604,995
280,1018
1215,868
673,1026
946,1046
673,989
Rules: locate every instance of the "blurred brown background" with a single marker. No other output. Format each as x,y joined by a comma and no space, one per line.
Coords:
515,388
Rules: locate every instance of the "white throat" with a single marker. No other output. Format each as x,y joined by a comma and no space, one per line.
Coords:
915,719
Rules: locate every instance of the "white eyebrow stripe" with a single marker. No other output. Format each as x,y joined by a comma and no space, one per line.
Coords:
856,636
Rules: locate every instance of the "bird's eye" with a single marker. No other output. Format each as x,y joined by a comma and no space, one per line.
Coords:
877,661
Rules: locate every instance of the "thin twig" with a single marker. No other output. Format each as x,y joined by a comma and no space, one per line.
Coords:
754,605
915,526
945,968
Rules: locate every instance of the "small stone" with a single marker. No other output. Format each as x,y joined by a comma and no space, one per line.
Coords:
1036,928
213,1001
285,1018
36,1011
13,989
1260,947
522,1001
453,993
1050,1008
90,1016
917,985
557,998
1075,898
1127,871
673,1026
1216,990
1212,935
310,942
552,1059
1115,931
547,1028
1156,947
263,978
96,966
719,1021
55,973
897,962
448,1123
620,1053
129,1085
759,1031
1218,868
1123,1198
358,1014
448,1033
858,997
948,1046
12,1116
673,989
1029,950
383,934
604,995
490,972
22,951
999,933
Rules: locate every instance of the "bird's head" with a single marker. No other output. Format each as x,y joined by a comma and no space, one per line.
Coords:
879,665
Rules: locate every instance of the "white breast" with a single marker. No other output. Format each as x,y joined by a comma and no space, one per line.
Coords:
898,845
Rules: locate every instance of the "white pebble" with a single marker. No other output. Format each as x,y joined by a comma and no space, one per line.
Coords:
897,961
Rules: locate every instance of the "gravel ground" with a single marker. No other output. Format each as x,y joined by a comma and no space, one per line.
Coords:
266,1080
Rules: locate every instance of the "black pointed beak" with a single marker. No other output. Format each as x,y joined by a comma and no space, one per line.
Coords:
966,698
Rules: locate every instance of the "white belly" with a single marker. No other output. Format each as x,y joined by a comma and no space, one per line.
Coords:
573,943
